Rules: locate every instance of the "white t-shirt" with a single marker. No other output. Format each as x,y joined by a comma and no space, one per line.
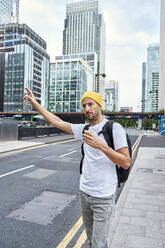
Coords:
98,176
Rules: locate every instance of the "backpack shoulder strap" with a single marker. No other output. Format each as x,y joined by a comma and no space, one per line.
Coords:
129,145
107,133
86,127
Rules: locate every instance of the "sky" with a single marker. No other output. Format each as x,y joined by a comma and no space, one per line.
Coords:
130,27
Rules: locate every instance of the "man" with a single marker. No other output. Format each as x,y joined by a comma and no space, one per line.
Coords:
98,180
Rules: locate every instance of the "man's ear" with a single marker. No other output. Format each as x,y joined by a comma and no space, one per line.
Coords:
100,108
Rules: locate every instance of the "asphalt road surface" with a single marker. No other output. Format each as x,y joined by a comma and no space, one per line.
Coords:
39,197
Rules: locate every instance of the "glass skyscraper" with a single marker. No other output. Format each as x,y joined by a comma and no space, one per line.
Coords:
84,32
111,95
153,69
9,11
70,77
24,63
144,81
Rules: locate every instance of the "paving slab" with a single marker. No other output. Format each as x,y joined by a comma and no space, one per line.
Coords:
139,220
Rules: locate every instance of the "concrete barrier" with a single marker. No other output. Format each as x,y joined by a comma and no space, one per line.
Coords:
8,130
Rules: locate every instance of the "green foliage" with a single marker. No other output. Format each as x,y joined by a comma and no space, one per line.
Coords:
162,111
147,123
127,122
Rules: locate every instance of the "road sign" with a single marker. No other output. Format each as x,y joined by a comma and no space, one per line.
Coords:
162,125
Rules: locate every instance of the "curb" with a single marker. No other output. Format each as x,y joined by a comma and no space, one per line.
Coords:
121,200
35,146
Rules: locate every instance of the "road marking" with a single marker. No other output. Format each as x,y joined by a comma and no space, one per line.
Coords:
70,234
15,171
64,141
67,154
136,144
81,240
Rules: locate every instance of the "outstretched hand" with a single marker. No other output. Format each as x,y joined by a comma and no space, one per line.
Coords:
30,96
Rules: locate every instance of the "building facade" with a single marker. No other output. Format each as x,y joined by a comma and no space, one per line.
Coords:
25,63
84,32
144,89
162,59
111,97
9,11
126,109
153,70
69,79
90,58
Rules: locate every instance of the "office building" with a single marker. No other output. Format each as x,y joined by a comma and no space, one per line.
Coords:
111,96
70,77
90,58
84,32
126,109
153,70
9,11
144,89
162,59
24,63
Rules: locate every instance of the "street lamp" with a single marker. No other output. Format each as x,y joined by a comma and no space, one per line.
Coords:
100,74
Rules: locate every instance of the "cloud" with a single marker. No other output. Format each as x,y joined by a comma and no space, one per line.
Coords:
46,18
124,33
130,27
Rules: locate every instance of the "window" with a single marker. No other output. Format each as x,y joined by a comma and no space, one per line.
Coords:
66,75
72,96
73,107
59,75
59,66
59,86
73,85
66,96
66,85
58,107
67,65
73,74
58,96
74,64
66,107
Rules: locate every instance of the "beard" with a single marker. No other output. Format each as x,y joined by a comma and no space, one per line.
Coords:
92,116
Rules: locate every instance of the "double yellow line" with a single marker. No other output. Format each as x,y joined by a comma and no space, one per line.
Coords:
69,236
136,144
82,238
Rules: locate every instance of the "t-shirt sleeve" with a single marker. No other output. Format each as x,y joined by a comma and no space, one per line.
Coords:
77,130
119,136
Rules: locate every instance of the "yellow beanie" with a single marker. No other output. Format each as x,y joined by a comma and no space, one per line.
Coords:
94,96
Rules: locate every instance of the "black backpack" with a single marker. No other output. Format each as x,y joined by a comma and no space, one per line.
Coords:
122,174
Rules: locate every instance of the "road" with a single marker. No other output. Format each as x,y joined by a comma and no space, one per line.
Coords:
40,198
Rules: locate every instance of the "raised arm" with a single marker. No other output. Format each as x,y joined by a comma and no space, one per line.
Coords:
53,119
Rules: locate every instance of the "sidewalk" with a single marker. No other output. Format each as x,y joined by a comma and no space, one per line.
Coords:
25,143
139,220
